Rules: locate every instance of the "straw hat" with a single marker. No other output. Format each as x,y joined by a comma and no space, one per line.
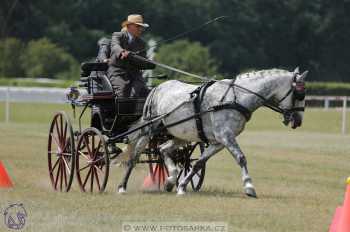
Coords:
135,19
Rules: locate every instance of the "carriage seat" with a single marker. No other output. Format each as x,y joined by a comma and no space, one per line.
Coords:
88,67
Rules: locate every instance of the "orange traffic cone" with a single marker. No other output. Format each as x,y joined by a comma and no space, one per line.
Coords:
344,220
155,180
5,181
335,221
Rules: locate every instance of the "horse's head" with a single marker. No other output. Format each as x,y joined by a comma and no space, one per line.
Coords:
293,101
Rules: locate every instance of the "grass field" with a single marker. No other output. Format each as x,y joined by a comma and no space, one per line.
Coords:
299,176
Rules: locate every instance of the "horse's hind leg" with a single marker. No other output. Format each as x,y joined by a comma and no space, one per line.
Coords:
167,149
211,150
135,153
236,152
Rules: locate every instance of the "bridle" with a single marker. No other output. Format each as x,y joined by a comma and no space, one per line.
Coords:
298,91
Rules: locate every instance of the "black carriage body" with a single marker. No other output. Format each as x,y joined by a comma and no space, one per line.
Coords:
110,114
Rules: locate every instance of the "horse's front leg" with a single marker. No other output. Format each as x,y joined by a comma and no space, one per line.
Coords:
211,150
236,152
135,153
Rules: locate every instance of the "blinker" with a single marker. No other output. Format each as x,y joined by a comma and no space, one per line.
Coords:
299,91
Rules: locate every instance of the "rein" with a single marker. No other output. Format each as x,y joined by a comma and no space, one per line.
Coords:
143,59
266,102
233,105
162,41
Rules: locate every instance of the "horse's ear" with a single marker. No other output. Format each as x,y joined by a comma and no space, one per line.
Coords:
302,76
296,71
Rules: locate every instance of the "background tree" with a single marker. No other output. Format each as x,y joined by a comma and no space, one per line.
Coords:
43,58
188,56
11,50
311,34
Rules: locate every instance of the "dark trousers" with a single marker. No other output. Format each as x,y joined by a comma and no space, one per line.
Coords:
126,85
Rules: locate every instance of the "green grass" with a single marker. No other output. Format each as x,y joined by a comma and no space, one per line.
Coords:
299,176
315,120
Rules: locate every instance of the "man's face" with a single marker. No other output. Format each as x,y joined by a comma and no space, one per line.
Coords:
135,30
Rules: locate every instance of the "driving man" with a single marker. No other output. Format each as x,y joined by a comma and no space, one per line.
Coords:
124,71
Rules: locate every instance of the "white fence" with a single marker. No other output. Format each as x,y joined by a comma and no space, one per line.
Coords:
57,95
327,100
26,94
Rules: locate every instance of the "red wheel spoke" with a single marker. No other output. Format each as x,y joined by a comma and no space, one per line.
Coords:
154,173
64,132
95,161
159,176
93,151
97,180
66,142
57,130
61,177
53,169
86,157
98,148
84,167
87,177
66,164
61,124
65,176
86,142
66,154
52,152
57,175
92,179
99,169
55,139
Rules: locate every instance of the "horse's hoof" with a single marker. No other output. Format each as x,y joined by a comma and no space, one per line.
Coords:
181,191
121,190
250,192
168,186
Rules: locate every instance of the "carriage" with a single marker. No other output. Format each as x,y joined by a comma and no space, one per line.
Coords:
88,152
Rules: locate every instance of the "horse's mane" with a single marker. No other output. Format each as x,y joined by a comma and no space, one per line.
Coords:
263,73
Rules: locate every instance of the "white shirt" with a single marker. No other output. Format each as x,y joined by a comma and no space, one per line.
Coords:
130,37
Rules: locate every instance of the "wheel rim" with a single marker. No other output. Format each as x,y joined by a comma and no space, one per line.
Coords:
92,161
61,153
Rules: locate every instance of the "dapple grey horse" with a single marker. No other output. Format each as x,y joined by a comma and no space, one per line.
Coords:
280,90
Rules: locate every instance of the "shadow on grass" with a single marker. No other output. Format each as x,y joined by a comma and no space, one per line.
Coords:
205,192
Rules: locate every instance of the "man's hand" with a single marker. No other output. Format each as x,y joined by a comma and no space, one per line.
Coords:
124,54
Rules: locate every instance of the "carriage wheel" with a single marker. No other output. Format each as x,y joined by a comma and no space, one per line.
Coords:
92,161
61,153
198,177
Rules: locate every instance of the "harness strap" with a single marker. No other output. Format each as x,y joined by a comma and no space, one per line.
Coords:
235,106
197,96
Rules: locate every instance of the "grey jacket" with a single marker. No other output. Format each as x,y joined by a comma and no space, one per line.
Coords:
127,66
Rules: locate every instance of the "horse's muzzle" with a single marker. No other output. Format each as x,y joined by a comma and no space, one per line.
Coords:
296,120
